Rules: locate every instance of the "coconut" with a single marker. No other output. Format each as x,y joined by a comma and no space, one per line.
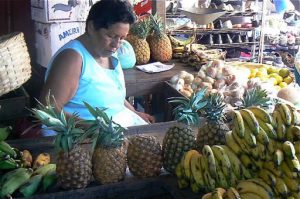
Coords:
290,94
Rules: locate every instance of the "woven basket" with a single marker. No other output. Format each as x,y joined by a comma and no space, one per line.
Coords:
15,68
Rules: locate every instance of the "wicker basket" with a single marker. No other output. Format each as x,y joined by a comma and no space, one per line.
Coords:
15,68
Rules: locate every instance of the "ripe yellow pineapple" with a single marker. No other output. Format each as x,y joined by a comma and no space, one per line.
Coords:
180,138
159,42
214,130
74,167
144,156
109,157
137,38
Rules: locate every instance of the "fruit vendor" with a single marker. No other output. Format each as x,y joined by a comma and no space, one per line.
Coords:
88,69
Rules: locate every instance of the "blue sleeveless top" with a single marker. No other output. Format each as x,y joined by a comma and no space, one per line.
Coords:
98,86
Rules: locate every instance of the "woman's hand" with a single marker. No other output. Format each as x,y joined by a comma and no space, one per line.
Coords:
148,118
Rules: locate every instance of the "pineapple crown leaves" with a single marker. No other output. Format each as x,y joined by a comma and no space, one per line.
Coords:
103,130
187,110
214,108
157,27
256,97
141,28
68,134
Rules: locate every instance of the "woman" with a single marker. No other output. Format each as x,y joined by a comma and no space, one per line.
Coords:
87,68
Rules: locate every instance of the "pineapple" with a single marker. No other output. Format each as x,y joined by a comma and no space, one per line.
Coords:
144,156
137,38
214,130
109,157
256,97
180,138
159,42
74,166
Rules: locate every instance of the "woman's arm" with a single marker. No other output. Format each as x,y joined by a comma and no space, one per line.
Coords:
148,118
63,78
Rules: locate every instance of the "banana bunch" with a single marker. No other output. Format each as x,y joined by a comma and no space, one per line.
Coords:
178,46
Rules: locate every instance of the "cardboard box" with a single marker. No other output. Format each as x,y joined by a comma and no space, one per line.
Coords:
143,7
50,37
49,11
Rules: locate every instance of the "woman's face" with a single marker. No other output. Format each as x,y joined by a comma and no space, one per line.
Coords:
107,41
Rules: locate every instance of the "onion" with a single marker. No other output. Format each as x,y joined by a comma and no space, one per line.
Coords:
174,79
209,80
189,78
182,74
197,80
211,72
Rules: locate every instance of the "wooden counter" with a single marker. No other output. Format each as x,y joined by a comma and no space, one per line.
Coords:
140,83
161,187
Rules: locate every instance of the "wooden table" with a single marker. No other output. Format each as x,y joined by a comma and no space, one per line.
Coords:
139,83
161,187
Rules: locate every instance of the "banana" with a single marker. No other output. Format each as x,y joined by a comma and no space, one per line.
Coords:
250,196
207,196
295,114
232,144
262,137
41,160
296,132
253,187
208,179
262,151
251,120
262,114
267,176
178,49
194,186
186,163
238,123
221,180
297,147
278,157
49,179
218,193
178,171
31,186
289,149
26,158
9,164
233,181
268,128
196,172
5,132
287,171
249,137
293,164
296,195
232,193
284,112
17,179
277,118
246,161
43,170
262,183
291,184
235,162
182,183
6,148
281,132
207,151
222,159
270,165
178,42
281,188
271,146
241,143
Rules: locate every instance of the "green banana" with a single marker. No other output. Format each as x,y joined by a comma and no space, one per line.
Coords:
210,182
221,179
43,170
232,144
49,180
9,164
5,132
238,123
15,181
222,160
234,162
249,137
251,120
208,153
262,137
6,148
31,186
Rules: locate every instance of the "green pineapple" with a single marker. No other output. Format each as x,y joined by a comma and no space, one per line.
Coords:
256,97
74,166
214,130
109,157
180,138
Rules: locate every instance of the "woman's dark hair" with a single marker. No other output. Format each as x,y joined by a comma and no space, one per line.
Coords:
105,13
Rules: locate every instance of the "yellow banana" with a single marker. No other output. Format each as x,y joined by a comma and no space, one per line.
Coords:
196,171
222,159
270,165
246,161
296,195
295,115
268,128
262,183
238,123
251,120
262,151
293,164
249,137
287,171
277,118
250,196
289,149
186,163
207,151
291,184
268,177
284,112
178,171
235,162
281,132
253,187
218,193
271,146
232,144
178,42
278,157
255,152
296,132
281,188
178,49
297,147
241,142
262,136
261,114
208,179
232,193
